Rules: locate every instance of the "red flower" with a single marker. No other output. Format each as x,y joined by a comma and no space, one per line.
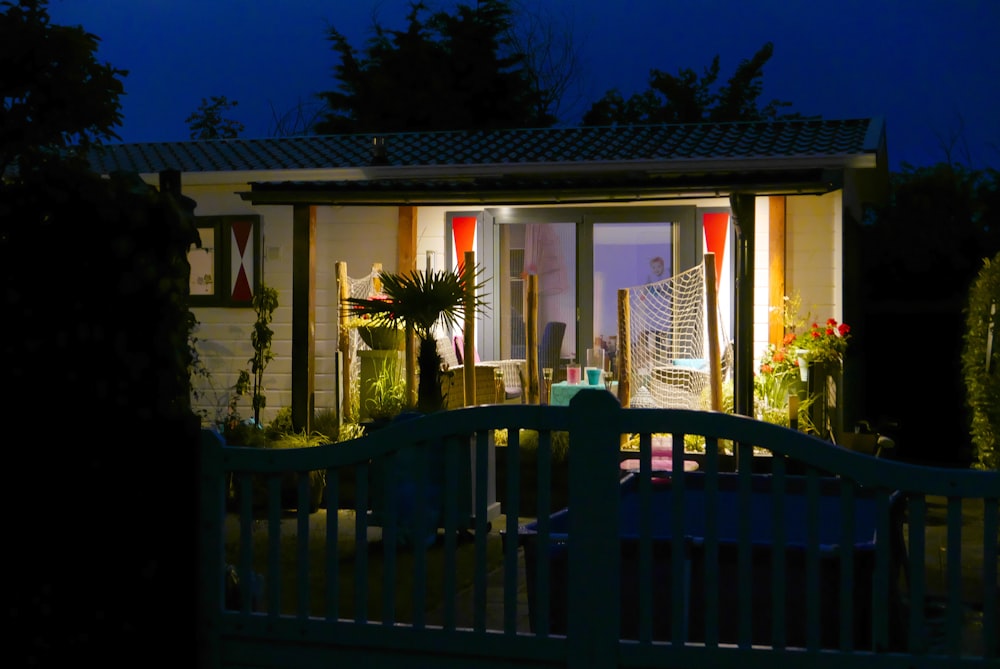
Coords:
815,334
830,332
765,369
831,322
844,329
789,338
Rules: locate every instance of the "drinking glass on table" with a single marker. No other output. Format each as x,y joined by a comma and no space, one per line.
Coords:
595,365
573,374
546,384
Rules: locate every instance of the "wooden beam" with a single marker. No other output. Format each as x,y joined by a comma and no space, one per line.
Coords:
344,339
776,272
714,356
406,235
303,315
531,338
742,206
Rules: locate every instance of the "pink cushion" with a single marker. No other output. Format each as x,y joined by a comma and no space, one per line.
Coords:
460,350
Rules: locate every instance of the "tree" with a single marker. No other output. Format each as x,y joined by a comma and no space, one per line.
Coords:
919,255
939,223
444,72
208,123
61,103
95,279
689,98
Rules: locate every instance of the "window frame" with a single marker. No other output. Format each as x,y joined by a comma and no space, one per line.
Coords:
226,256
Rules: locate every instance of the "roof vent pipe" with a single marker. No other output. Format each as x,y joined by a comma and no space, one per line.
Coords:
379,155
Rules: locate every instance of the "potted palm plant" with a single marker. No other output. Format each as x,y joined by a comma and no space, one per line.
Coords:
420,301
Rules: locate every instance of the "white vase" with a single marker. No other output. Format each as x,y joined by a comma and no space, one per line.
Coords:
800,355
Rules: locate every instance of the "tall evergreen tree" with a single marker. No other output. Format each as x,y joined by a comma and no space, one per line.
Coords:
443,72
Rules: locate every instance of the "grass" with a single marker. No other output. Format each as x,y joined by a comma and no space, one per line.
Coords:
350,560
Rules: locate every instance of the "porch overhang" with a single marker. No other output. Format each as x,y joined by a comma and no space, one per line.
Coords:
537,190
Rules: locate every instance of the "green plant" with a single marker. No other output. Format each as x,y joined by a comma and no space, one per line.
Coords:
421,301
196,367
265,301
981,364
826,342
777,374
387,391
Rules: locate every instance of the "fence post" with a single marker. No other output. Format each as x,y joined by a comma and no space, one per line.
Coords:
594,613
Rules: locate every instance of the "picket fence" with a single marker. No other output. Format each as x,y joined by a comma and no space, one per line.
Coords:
819,562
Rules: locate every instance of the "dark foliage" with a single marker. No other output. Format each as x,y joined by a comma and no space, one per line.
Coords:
931,237
208,122
689,98
920,255
95,343
55,97
443,72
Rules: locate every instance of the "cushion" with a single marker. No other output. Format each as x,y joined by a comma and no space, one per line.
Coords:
699,364
460,350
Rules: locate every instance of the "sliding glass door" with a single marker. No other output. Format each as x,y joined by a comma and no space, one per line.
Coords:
582,256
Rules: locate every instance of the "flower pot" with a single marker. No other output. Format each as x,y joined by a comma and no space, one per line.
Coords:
382,338
802,356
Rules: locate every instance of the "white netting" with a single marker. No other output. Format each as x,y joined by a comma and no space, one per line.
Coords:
362,287
669,359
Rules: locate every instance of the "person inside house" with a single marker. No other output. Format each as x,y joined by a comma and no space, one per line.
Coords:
656,268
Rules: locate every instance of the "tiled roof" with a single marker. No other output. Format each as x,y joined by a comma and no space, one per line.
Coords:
661,143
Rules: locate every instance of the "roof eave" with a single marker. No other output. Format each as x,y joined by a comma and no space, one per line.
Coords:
653,167
316,194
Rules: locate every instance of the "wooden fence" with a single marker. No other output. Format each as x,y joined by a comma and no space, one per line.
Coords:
820,561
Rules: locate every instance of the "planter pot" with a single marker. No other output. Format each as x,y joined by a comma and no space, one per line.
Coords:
289,493
394,488
800,355
380,338
528,482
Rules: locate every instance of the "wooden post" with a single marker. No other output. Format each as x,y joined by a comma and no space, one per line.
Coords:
624,350
344,340
469,331
712,325
377,277
531,338
411,366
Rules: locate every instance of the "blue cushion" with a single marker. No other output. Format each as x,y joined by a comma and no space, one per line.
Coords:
692,363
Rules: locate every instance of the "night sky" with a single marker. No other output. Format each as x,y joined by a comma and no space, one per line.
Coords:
931,68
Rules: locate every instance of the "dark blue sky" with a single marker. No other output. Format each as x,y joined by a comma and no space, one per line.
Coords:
931,68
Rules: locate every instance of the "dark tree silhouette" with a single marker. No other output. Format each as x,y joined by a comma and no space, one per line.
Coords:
56,99
689,98
443,72
208,122
96,324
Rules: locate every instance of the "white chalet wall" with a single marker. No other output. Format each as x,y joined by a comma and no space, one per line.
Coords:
362,236
814,252
813,260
